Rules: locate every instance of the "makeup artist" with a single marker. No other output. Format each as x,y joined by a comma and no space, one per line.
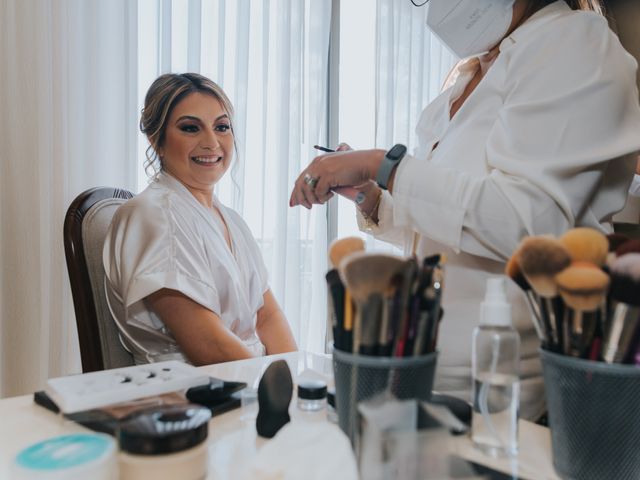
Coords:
185,279
536,135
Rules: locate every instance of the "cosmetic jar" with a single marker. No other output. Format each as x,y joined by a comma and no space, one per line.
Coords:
68,457
312,395
165,443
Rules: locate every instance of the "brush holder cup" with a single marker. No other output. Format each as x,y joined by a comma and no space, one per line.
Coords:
361,377
593,416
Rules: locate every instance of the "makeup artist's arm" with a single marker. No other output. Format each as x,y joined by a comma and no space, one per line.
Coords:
202,336
272,327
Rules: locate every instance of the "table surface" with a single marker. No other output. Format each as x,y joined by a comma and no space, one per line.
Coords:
233,440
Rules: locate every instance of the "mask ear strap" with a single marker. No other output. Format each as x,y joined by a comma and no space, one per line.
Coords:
419,5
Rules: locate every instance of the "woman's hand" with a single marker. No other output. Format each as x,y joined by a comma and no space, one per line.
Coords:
344,168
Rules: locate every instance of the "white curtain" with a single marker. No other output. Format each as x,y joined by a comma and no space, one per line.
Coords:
67,121
411,66
73,74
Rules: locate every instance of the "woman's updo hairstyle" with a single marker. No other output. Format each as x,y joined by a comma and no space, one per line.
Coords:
163,95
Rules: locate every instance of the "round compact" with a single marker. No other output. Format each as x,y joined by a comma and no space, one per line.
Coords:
69,457
312,395
165,443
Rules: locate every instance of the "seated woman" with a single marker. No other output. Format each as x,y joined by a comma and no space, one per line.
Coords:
184,276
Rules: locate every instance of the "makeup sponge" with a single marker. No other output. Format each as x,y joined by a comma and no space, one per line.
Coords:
274,395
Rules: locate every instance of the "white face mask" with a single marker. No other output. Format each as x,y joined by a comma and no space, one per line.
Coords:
470,27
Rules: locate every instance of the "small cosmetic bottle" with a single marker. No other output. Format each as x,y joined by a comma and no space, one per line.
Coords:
165,443
312,395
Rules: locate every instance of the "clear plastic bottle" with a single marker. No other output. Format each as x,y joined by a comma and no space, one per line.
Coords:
496,378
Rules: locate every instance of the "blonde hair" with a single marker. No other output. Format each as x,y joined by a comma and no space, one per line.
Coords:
163,95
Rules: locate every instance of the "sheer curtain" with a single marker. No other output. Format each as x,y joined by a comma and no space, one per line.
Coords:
67,123
411,66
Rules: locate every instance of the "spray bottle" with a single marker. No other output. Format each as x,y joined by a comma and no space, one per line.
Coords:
496,381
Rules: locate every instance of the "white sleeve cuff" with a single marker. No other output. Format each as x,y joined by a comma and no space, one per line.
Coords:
426,199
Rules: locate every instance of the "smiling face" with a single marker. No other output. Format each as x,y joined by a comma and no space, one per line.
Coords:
198,142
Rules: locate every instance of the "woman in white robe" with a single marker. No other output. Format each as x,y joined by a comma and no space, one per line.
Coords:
535,136
184,276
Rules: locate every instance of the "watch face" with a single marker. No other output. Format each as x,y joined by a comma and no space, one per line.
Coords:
397,152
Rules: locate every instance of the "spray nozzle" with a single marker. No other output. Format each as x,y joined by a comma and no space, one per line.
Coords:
495,310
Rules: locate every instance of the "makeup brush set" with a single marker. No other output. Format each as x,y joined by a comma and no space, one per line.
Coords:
383,305
584,292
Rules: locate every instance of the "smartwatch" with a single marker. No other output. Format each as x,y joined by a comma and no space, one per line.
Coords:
391,160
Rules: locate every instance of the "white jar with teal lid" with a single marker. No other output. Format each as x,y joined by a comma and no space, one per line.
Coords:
77,456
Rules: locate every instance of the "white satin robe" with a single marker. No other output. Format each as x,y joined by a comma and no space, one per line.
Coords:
164,238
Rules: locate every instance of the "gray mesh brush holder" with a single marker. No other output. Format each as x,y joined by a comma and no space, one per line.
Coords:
594,416
360,377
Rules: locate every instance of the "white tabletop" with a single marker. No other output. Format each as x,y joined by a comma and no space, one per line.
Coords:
233,440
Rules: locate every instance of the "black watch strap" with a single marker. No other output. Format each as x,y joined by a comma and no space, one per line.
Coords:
391,159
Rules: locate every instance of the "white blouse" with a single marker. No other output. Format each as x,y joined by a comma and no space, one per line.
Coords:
164,238
542,144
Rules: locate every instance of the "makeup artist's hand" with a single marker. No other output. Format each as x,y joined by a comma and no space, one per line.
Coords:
345,168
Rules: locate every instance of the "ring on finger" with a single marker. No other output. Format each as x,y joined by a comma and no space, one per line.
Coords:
309,180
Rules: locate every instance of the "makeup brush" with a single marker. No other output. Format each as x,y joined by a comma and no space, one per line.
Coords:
615,240
339,249
583,287
513,271
392,305
372,312
630,246
409,271
364,274
336,296
540,259
625,292
342,247
420,308
586,244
